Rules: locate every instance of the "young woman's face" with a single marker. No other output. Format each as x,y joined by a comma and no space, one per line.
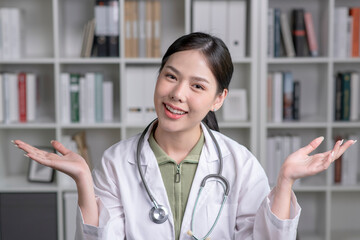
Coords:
186,90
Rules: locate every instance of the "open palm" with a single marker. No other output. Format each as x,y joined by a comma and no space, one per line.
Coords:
300,164
69,163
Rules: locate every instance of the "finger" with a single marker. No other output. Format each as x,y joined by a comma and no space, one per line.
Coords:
312,145
26,147
343,148
59,147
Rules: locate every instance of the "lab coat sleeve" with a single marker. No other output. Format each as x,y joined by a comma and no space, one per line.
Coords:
111,212
268,224
255,220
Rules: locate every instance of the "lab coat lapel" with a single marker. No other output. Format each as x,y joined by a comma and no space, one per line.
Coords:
208,164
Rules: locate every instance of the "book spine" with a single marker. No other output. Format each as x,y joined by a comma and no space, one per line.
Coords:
286,34
82,100
142,28
156,53
108,96
269,97
2,97
277,97
349,36
338,96
148,28
65,97
90,97
113,28
100,28
340,32
338,165
98,97
30,97
346,96
270,30
310,34
22,96
296,101
14,98
74,97
288,90
354,102
355,13
298,32
128,31
277,33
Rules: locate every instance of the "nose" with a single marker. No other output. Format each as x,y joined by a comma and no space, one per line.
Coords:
178,92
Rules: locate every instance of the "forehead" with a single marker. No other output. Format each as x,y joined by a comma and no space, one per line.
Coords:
190,62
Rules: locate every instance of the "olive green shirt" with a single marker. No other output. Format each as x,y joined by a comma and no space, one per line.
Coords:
177,178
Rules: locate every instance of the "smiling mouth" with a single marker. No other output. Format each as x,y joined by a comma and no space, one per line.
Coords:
174,111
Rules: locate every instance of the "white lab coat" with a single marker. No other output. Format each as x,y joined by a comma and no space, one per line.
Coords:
124,204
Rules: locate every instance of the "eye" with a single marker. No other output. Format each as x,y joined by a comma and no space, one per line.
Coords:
198,86
170,76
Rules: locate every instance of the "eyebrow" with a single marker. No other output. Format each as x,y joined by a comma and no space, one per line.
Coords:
193,77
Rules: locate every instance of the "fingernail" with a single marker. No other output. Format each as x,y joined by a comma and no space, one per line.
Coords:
51,141
332,154
354,141
341,142
12,141
322,138
26,155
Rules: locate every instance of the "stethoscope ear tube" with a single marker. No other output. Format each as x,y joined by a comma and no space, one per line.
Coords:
223,179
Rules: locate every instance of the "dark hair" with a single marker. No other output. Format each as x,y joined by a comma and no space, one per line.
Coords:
217,56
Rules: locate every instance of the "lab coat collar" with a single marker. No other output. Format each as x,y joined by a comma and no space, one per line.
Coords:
209,146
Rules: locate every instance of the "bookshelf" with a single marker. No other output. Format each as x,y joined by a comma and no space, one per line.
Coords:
328,209
53,33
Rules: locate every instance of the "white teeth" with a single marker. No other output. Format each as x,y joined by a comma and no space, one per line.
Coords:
174,110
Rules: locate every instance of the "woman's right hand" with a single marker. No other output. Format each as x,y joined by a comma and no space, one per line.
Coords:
69,163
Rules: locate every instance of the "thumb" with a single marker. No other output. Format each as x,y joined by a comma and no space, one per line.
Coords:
312,145
59,147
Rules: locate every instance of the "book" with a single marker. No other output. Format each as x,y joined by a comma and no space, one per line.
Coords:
82,100
90,97
349,36
128,29
345,96
2,101
270,33
288,91
112,36
156,34
108,101
355,14
340,32
149,28
286,35
141,28
100,28
269,104
338,96
74,97
338,164
298,33
277,108
13,97
310,34
354,96
296,101
98,97
65,97
31,95
236,32
277,32
22,96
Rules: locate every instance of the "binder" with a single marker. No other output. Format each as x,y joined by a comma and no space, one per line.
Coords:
100,28
112,38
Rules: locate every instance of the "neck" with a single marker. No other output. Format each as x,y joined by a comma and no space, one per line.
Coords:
177,145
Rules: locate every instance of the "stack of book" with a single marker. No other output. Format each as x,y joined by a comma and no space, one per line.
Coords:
86,98
346,170
346,32
283,97
278,149
10,33
224,19
17,97
285,40
101,35
142,28
347,88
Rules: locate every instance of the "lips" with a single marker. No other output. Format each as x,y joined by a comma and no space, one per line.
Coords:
174,110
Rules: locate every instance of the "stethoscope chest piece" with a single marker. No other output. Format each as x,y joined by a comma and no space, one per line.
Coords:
158,214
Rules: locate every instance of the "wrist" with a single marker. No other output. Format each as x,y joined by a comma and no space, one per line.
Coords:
283,181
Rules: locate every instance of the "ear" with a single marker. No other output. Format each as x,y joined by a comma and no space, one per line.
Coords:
219,100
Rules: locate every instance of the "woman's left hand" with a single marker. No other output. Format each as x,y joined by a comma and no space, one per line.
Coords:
299,164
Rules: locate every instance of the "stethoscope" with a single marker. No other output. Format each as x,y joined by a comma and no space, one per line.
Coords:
159,214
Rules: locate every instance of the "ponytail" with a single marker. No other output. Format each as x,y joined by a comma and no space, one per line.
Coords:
211,122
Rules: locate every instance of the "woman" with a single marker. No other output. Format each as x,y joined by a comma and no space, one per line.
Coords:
177,153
